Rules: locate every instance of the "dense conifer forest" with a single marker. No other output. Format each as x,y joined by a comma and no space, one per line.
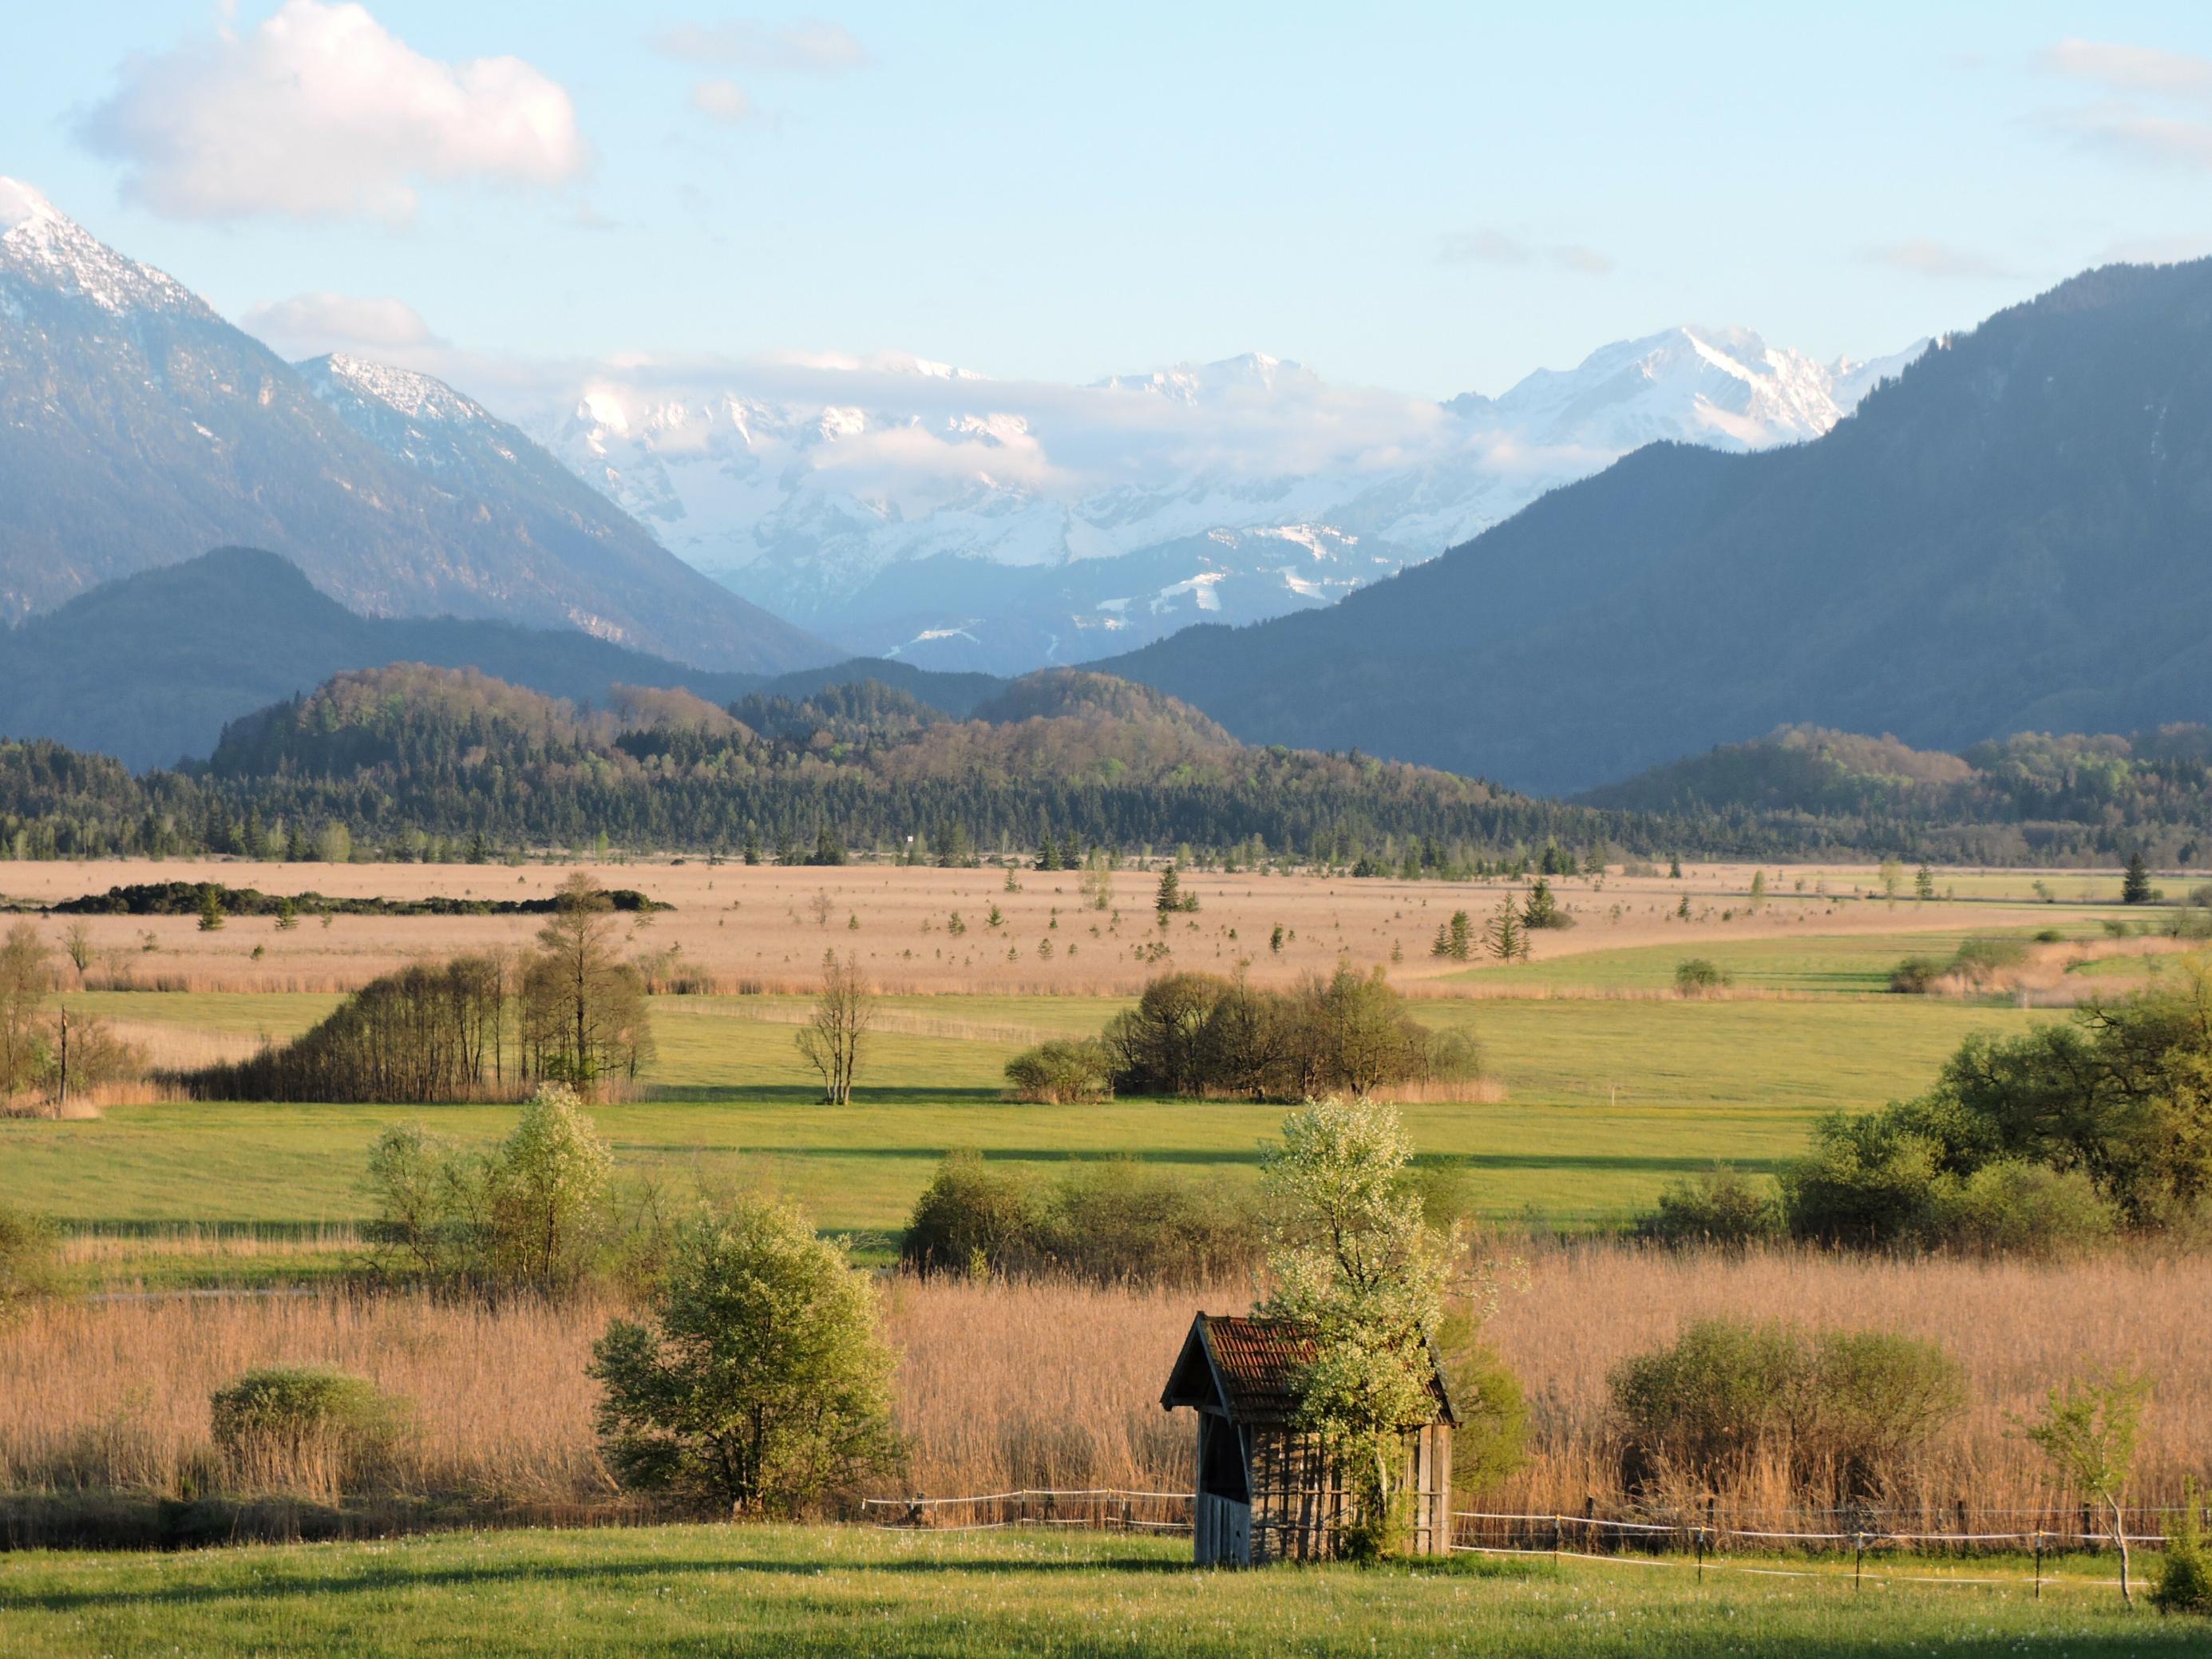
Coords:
411,761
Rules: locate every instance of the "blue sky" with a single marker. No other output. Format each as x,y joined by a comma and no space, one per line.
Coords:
1432,198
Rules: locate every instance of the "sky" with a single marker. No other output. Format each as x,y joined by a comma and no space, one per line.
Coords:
1433,199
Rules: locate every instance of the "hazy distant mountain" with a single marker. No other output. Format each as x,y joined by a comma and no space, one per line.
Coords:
150,668
2010,537
138,428
906,506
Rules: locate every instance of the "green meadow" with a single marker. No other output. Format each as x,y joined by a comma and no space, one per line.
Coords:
1604,1100
834,1591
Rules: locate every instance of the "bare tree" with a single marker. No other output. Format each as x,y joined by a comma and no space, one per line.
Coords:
77,943
831,1040
821,907
583,1009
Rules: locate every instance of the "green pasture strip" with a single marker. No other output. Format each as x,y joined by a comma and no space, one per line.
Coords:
797,1593
1605,1102
1830,964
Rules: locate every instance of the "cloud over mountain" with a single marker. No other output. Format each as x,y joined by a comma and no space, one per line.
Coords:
319,112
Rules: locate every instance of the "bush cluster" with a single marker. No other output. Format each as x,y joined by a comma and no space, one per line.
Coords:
289,1427
1977,962
1065,1072
1719,1206
539,1212
2050,1141
1846,1412
1200,1034
30,1259
1114,1223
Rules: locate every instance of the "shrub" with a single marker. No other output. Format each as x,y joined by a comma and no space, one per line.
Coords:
757,1382
1708,1403
535,1213
1061,1072
290,1428
2184,1575
2015,1208
1719,1205
1915,975
1866,1181
1491,1445
1698,975
1120,1222
971,1217
1847,1411
1980,959
1873,1402
29,1259
1109,1223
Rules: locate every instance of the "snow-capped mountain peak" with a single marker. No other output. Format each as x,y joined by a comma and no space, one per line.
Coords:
43,247
984,524
417,396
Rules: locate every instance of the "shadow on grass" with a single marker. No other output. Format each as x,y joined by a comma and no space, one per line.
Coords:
381,1579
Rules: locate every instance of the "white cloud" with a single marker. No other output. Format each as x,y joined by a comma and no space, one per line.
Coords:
1492,247
723,101
812,45
1924,257
2156,105
320,113
2124,68
309,324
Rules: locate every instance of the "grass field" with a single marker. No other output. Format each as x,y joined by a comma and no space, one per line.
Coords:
793,1592
1605,1101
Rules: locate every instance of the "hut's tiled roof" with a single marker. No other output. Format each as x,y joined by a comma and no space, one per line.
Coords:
1252,1365
1256,1360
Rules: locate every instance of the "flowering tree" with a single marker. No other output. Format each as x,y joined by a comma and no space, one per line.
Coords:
1356,1263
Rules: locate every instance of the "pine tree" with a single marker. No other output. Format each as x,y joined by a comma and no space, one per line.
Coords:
1542,909
1443,946
1923,882
1505,937
212,916
1169,895
2135,885
1459,941
288,918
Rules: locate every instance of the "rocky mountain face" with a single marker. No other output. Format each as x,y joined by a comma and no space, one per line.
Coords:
909,509
2006,538
138,428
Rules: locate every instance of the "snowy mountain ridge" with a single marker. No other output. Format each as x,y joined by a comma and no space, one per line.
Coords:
912,508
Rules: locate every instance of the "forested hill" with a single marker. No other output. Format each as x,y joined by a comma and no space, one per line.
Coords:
149,668
407,754
2009,537
2030,797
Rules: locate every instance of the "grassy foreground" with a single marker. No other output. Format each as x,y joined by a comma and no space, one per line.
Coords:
796,1591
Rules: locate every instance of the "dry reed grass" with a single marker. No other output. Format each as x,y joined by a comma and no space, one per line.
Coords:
1004,1385
736,928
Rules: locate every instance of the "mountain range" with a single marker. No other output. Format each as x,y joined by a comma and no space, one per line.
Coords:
138,428
2008,536
151,667
908,509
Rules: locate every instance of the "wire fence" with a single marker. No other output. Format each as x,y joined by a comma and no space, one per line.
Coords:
1683,1543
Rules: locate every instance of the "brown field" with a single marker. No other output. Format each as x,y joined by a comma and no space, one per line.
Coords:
733,927
1038,1385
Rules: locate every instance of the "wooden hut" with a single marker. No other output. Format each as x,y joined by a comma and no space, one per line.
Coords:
1267,1490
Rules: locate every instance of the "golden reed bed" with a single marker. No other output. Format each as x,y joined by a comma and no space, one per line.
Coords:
735,928
1028,1385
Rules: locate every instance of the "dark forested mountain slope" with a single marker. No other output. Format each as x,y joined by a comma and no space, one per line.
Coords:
403,752
2011,537
149,668
138,428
